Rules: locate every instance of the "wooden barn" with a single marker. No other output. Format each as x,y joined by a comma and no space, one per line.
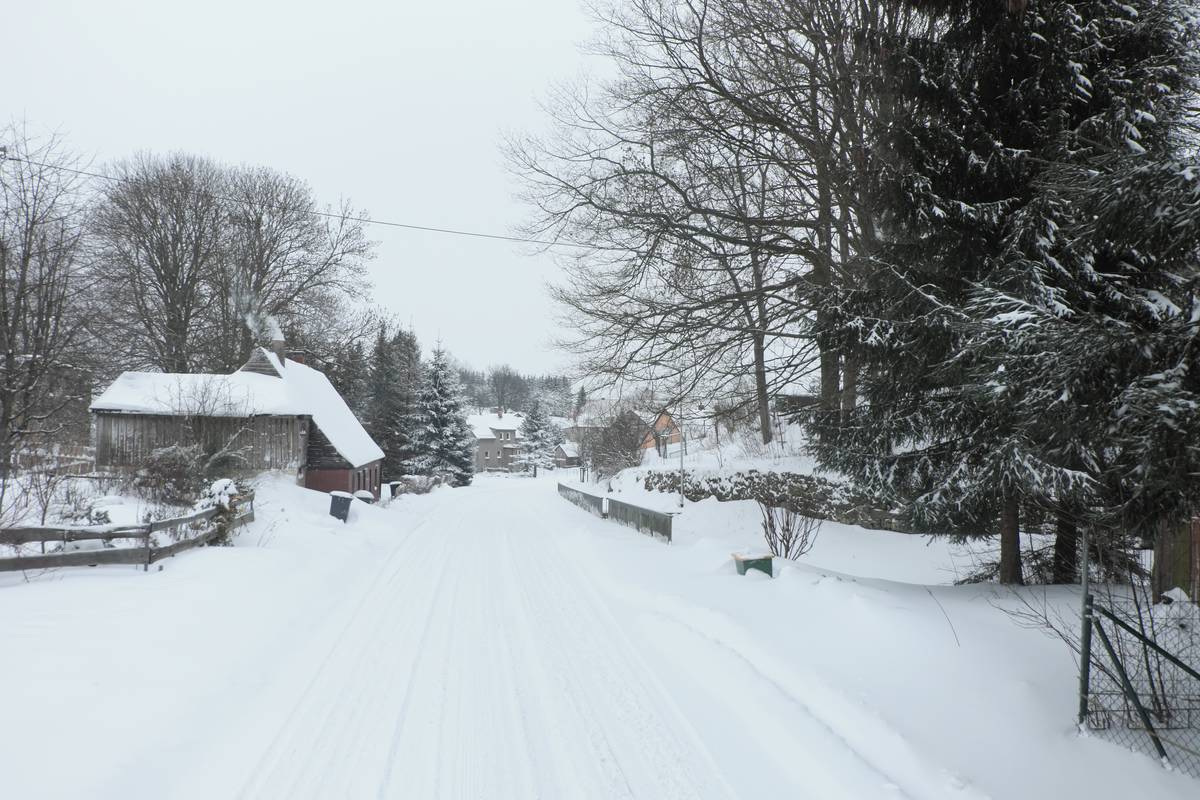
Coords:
275,413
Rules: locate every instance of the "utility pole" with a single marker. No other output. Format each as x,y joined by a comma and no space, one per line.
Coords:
679,427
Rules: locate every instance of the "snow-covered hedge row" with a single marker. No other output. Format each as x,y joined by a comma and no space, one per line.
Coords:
810,495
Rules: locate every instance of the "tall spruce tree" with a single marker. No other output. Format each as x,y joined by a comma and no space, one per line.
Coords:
442,443
383,408
1093,309
580,402
407,352
987,110
537,439
348,373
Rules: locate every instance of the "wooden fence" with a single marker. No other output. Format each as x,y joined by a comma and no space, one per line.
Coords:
191,531
654,523
61,459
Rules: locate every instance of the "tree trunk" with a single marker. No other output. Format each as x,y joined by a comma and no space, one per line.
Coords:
1066,551
760,388
1010,541
1177,559
822,278
849,386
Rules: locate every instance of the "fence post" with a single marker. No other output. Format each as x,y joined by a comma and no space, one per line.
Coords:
1085,664
1130,692
146,566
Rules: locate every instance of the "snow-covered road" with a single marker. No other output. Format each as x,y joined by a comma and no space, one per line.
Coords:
482,661
489,657
498,642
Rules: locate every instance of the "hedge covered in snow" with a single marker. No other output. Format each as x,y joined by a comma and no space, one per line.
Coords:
810,495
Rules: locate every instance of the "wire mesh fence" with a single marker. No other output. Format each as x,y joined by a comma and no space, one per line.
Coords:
1143,678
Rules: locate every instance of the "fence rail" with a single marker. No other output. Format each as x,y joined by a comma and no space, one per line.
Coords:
655,523
145,553
58,459
588,502
645,520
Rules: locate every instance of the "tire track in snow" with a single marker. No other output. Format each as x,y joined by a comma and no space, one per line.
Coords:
635,728
287,752
423,684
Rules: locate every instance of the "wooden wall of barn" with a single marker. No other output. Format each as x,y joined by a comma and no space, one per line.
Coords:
321,452
125,440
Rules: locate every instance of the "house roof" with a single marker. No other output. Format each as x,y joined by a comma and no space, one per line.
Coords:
294,389
569,449
484,426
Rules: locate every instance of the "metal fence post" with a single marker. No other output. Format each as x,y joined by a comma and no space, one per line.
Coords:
1131,693
1085,664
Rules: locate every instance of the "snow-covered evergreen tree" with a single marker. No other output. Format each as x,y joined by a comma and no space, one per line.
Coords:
1093,309
348,373
382,408
580,402
409,376
972,328
537,440
442,443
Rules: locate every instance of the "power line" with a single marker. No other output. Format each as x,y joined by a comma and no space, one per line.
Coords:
326,214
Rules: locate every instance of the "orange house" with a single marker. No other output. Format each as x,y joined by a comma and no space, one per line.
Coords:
662,433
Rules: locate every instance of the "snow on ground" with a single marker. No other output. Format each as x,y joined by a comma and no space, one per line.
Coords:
498,642
739,450
737,526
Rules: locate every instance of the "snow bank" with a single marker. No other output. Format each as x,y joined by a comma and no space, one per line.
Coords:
860,643
105,665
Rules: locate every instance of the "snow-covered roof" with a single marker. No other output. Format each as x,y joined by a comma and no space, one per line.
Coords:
569,449
295,389
485,425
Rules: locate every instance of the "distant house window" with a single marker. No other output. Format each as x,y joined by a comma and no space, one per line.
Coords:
487,454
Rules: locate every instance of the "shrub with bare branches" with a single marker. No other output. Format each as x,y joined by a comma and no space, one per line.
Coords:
789,534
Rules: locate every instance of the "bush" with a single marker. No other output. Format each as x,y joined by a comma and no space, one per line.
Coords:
788,533
172,475
810,495
417,484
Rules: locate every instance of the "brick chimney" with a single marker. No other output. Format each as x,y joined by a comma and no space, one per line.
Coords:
280,347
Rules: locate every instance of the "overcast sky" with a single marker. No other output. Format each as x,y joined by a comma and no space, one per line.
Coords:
396,104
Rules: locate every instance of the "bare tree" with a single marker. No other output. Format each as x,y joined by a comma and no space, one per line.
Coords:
283,261
617,444
41,279
160,230
507,387
722,183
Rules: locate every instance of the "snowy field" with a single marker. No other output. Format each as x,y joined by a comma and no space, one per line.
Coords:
498,642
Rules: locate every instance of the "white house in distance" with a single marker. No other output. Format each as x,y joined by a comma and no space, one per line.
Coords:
497,439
